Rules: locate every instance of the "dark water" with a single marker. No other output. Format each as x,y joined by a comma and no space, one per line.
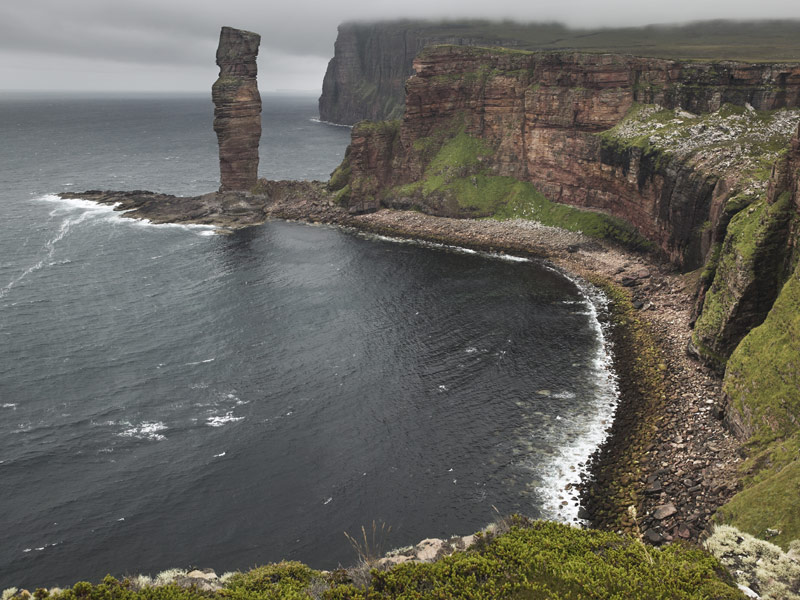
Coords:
169,397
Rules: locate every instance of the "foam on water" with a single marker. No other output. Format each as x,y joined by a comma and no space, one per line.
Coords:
219,421
111,213
568,466
318,120
197,228
48,249
200,362
146,430
449,247
41,548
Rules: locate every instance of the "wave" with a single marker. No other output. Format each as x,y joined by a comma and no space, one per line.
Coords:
47,250
448,247
318,120
112,214
87,210
198,228
568,466
42,548
144,431
201,362
219,421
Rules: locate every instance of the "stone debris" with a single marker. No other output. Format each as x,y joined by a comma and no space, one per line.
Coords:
204,581
664,511
428,550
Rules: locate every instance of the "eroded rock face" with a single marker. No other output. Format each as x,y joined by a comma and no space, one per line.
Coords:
540,113
237,109
756,256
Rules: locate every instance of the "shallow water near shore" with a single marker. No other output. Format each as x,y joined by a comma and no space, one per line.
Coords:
171,397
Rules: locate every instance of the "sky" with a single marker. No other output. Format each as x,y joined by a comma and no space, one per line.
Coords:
170,45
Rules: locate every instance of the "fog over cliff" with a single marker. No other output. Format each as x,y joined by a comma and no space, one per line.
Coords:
153,45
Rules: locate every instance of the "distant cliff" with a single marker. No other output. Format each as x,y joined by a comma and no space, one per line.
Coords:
366,76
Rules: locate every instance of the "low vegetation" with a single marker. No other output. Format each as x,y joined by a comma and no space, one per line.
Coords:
757,564
733,140
748,273
457,182
530,559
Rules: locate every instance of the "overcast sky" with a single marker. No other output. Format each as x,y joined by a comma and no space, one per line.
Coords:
154,45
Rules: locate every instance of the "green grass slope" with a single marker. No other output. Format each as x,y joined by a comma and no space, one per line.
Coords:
457,182
763,383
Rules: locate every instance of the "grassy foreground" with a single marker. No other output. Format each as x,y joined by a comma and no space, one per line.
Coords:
531,560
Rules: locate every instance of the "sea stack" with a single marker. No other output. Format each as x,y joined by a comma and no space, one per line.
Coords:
237,109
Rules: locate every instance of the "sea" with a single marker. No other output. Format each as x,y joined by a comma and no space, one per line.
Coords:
171,397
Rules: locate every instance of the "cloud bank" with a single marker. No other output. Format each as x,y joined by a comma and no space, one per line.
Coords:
152,45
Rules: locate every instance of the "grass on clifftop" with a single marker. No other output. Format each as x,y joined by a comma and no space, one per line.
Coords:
457,181
733,140
533,560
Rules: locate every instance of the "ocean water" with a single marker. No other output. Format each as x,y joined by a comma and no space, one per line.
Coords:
170,397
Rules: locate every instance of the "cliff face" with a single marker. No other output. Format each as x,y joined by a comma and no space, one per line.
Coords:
237,109
771,344
538,116
762,379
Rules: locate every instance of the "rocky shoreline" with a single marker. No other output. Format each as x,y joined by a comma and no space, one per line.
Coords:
677,467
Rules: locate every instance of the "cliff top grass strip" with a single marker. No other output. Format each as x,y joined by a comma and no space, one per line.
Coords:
732,140
748,41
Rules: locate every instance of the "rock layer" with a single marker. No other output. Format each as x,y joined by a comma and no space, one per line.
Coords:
237,109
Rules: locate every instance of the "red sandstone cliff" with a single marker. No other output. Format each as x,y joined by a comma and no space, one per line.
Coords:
539,112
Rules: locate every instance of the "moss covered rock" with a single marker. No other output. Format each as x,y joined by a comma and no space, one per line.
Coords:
747,276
